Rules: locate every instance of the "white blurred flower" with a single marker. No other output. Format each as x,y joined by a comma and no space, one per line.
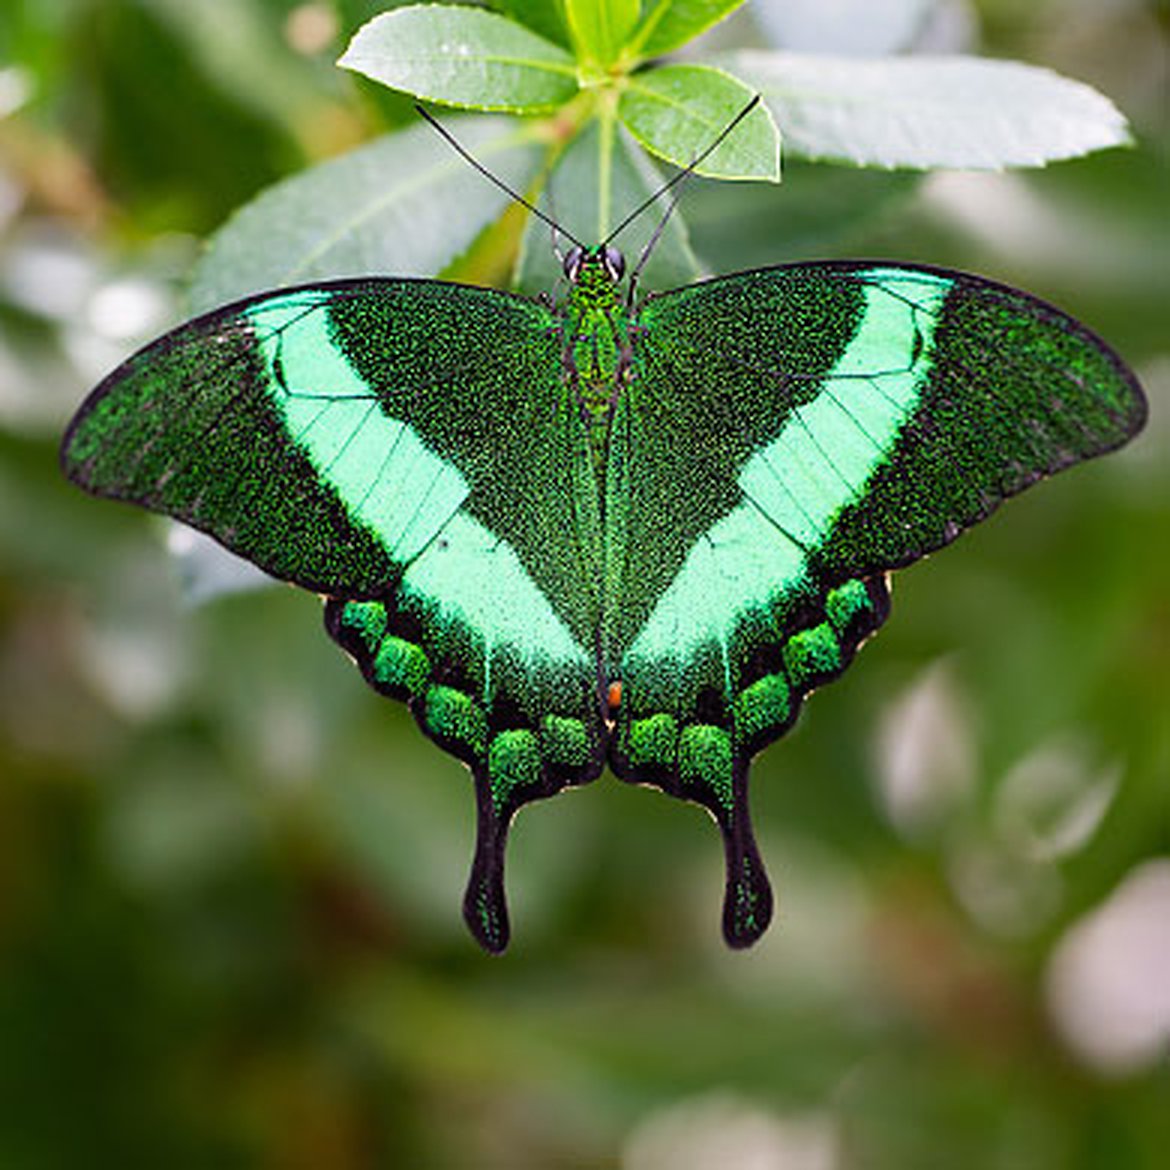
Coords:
925,753
1051,803
722,1131
1108,981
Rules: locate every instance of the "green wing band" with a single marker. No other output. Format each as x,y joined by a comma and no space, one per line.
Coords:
1018,391
190,427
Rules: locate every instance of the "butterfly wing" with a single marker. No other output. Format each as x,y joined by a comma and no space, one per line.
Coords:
789,436
408,448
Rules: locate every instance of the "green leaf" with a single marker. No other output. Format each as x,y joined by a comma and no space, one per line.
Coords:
599,27
929,111
869,28
601,178
405,205
463,57
677,111
668,24
546,17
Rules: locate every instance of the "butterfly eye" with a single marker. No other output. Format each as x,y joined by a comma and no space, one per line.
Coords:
573,261
614,261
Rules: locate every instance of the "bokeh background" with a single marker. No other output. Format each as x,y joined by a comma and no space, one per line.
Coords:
230,874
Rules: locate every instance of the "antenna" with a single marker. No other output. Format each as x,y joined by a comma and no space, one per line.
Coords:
670,184
682,176
648,247
552,223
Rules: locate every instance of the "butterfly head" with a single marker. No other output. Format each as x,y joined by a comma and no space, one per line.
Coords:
604,262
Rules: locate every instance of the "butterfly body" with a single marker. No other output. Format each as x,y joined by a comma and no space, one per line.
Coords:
520,511
598,348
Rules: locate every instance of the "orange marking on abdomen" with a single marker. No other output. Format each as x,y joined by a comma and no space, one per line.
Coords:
614,696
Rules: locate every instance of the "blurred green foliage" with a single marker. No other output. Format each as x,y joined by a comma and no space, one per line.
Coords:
230,873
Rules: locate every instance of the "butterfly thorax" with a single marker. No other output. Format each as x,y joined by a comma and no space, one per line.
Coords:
597,348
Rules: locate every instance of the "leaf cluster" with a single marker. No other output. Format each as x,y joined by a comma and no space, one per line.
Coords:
584,110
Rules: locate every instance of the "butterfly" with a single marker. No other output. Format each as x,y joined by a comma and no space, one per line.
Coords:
605,529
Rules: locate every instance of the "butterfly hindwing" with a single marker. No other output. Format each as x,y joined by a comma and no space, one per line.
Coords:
789,436
411,449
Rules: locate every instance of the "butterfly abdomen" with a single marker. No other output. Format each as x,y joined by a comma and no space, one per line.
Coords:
596,362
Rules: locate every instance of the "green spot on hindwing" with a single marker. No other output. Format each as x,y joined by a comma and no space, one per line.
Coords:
705,763
514,766
654,743
763,709
848,605
366,620
811,656
457,720
565,742
402,667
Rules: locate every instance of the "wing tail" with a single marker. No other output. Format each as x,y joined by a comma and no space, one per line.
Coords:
485,903
747,898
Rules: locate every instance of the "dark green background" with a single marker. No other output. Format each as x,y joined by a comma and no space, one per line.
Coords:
230,874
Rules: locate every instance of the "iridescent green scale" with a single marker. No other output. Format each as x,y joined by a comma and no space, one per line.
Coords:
605,533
